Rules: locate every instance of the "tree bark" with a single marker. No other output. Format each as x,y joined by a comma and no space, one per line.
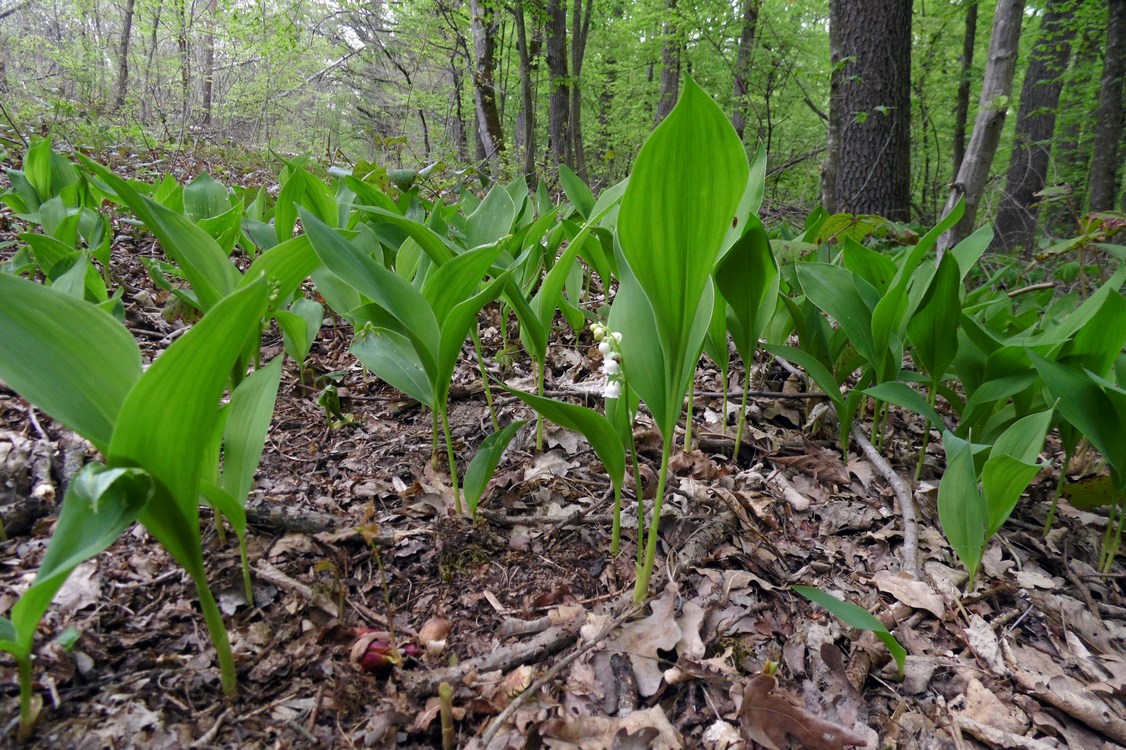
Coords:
974,171
580,29
739,90
559,97
483,27
874,106
670,63
123,58
526,122
209,64
1036,122
962,106
1108,119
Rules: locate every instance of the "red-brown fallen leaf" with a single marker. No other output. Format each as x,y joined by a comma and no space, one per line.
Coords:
768,719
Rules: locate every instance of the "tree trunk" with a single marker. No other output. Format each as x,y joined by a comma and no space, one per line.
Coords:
831,166
1036,122
209,64
559,97
874,106
580,28
185,63
972,174
670,63
739,91
483,26
962,106
123,58
526,122
1108,119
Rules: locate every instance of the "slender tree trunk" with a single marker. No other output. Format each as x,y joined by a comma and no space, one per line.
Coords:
739,90
456,125
559,96
209,64
483,26
1036,122
874,102
1108,119
962,106
185,63
580,28
974,171
670,63
526,123
123,58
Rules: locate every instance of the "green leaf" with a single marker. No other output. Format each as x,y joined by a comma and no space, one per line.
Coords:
205,197
684,192
813,367
300,325
70,359
577,191
1011,466
903,395
856,617
845,297
484,463
930,330
747,277
961,508
393,357
248,418
100,504
492,220
598,431
168,418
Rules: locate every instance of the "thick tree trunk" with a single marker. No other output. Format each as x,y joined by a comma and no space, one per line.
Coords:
559,97
998,85
1074,130
874,106
1108,119
580,28
962,106
1036,121
670,63
526,122
123,58
739,90
482,22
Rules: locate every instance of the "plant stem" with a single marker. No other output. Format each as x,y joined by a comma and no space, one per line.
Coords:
218,631
742,423
540,374
452,459
485,379
446,709
27,721
688,417
641,587
926,436
1067,455
434,439
616,529
245,570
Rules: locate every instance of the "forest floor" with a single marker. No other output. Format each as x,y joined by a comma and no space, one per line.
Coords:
525,612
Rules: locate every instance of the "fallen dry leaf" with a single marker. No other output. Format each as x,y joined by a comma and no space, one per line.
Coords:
913,593
768,718
641,729
644,638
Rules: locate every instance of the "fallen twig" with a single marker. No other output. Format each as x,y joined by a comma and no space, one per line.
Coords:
903,494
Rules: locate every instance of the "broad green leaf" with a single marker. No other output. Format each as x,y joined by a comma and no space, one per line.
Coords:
684,192
961,508
1098,343
747,277
455,332
205,197
856,617
248,418
300,325
484,463
457,280
492,220
1011,466
844,297
203,262
65,356
100,504
577,191
392,357
969,251
905,396
643,354
931,330
598,431
875,268
168,418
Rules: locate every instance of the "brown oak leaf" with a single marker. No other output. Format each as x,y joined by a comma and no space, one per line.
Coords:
768,718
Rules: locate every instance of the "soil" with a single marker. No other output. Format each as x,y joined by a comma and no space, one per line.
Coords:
526,613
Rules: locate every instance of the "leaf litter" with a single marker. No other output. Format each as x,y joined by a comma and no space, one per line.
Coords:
1032,657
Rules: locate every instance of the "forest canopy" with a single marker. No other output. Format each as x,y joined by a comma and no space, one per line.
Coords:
865,107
